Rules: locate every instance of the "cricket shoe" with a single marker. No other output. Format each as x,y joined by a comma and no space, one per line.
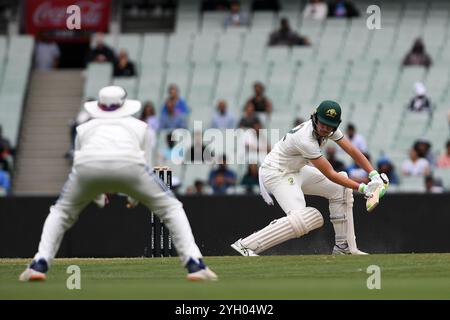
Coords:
246,252
35,271
199,271
343,249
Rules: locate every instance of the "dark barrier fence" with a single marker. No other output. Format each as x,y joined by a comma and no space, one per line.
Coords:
401,223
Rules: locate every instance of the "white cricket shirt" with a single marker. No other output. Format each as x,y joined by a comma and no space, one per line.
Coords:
117,139
297,148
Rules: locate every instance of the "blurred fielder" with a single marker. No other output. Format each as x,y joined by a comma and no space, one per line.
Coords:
285,174
111,156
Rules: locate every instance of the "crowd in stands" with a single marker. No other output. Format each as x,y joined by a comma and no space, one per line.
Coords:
102,53
174,113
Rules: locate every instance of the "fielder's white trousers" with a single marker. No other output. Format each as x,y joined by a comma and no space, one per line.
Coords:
88,180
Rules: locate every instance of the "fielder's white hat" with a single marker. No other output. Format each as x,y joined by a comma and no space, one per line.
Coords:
112,103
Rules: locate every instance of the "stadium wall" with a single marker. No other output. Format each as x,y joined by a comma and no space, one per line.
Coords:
403,223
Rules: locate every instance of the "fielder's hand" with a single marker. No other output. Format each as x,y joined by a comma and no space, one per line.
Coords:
131,203
368,189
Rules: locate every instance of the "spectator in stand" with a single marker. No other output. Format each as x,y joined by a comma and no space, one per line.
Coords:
6,158
356,139
420,102
181,106
432,185
148,115
342,9
236,18
418,55
415,166
423,149
315,10
4,163
286,37
222,119
444,159
222,178
250,117
250,179
124,67
197,188
101,52
171,119
259,99
385,166
337,164
5,184
46,53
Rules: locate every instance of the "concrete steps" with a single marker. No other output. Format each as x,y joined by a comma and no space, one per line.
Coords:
54,99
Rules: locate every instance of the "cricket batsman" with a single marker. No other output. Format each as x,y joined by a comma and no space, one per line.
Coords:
286,173
112,153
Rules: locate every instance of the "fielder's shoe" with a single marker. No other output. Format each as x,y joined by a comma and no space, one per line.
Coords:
246,252
344,249
35,271
198,271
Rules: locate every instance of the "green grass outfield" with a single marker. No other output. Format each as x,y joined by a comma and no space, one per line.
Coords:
403,276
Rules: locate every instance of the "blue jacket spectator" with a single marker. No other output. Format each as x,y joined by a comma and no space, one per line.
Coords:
171,119
384,165
180,105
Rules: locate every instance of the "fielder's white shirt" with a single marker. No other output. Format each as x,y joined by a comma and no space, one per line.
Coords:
118,139
297,148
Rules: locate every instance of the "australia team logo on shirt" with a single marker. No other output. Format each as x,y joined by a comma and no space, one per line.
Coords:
291,180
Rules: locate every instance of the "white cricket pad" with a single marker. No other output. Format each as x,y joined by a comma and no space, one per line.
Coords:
341,215
296,224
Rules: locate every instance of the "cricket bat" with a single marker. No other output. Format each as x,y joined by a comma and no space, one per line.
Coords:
372,202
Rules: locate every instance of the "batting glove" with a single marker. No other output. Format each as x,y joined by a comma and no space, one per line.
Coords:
368,189
381,178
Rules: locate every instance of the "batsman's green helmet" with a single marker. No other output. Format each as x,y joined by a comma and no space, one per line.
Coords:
329,113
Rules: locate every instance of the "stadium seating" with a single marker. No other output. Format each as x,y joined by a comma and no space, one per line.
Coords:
14,82
359,67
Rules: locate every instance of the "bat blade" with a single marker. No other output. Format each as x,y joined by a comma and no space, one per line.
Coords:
372,203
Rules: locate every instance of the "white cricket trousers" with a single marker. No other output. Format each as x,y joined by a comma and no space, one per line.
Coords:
289,190
88,180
